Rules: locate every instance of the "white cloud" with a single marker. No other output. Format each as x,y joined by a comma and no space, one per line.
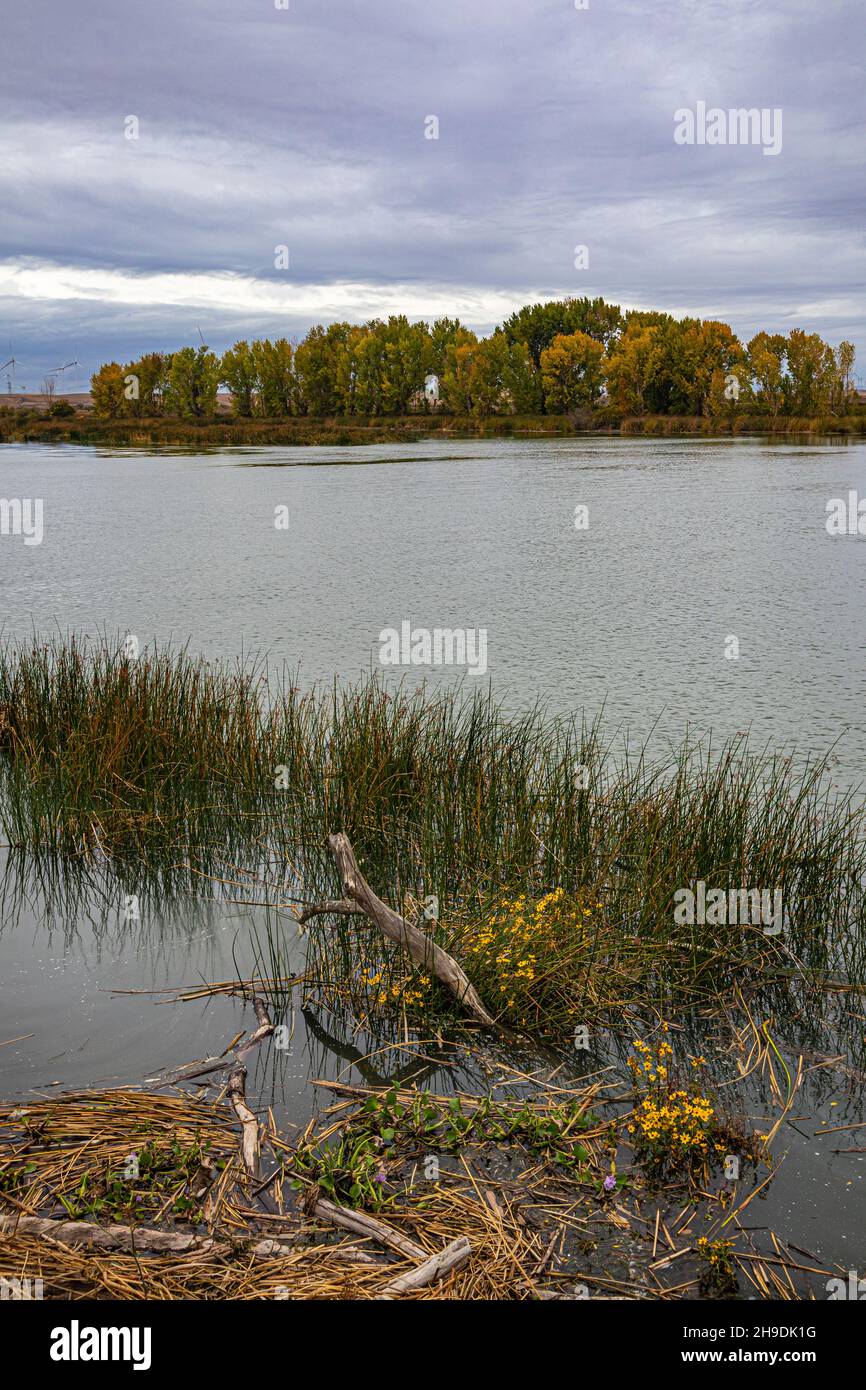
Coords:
231,294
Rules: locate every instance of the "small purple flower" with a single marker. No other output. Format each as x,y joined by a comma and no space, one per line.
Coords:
609,1183
380,1176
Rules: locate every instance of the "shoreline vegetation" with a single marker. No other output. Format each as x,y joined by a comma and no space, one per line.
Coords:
28,427
614,1041
564,367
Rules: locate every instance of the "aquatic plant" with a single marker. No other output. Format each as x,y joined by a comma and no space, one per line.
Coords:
675,1128
719,1276
554,855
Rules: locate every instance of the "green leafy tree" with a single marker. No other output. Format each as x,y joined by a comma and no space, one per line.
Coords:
380,368
361,371
238,373
456,382
492,377
144,385
273,364
154,368
316,368
193,383
844,384
692,351
571,372
811,373
487,368
721,379
106,390
521,380
766,366
676,371
406,358
446,333
537,325
629,367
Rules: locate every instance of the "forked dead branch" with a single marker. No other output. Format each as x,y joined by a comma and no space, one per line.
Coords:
359,899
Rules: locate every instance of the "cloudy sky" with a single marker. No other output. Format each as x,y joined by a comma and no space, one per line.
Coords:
305,127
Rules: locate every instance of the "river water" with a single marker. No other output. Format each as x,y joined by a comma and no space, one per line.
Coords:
689,545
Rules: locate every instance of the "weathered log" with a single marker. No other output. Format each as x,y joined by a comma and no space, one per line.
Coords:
272,1249
358,895
237,1097
435,1267
142,1240
360,1224
110,1237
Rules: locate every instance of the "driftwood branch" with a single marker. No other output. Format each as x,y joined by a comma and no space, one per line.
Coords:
109,1237
140,1239
235,1064
237,1097
358,896
230,1061
433,1268
338,907
428,1268
236,1092
360,1224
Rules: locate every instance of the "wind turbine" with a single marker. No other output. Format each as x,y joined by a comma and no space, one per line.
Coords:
58,371
10,376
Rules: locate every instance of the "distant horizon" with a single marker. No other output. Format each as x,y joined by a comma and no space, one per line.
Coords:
443,310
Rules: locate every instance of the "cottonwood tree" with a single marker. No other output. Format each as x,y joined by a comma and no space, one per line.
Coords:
106,390
274,376
193,383
629,367
537,325
811,373
766,365
571,372
238,373
316,368
845,356
145,382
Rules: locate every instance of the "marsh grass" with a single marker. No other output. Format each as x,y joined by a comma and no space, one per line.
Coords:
233,776
70,1156
104,753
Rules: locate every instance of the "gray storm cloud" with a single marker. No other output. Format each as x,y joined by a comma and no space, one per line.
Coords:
305,127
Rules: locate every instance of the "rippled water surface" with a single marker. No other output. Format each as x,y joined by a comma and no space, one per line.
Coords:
689,544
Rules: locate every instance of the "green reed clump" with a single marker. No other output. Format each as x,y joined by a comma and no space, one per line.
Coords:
239,775
98,746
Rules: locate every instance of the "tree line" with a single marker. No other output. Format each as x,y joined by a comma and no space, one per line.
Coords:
564,357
